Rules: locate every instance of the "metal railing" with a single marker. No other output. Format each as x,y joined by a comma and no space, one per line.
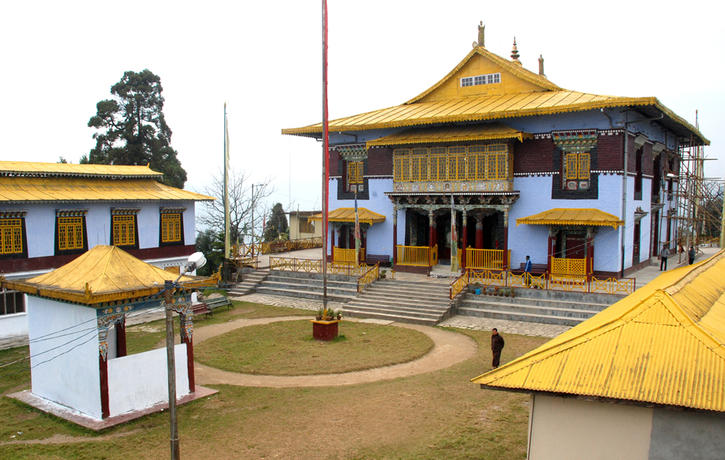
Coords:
550,281
458,285
417,256
568,266
491,259
315,266
346,256
368,277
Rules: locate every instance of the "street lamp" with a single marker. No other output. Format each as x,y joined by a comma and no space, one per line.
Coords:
194,261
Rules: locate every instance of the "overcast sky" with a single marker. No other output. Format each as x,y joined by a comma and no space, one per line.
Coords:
263,58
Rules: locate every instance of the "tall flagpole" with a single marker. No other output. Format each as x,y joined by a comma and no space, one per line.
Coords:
325,154
226,185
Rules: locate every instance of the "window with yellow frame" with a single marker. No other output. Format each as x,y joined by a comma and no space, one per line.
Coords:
577,171
124,229
171,227
70,235
11,236
354,172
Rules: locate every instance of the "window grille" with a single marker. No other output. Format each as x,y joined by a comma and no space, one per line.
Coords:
11,236
11,302
124,230
354,172
485,79
170,227
70,233
456,163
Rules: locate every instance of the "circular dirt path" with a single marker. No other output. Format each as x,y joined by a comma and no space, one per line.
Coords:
449,348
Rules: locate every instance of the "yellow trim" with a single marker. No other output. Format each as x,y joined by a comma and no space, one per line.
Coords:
170,227
70,169
354,172
572,216
70,233
458,163
347,215
450,134
124,229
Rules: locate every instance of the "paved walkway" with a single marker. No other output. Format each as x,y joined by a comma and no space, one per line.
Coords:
449,348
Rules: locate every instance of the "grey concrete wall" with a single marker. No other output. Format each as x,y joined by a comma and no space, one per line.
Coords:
691,435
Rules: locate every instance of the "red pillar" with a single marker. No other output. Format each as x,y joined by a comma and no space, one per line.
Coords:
431,230
479,233
103,368
465,241
121,337
549,252
506,261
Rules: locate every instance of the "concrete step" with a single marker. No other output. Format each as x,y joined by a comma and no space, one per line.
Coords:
413,303
390,317
473,300
346,291
306,294
311,282
374,291
531,309
374,306
520,316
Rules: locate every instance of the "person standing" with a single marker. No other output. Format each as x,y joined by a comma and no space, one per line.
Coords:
497,343
663,257
691,255
527,271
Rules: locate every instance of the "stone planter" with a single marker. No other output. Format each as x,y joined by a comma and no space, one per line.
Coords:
324,330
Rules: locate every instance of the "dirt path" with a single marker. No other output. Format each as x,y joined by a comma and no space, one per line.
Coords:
449,348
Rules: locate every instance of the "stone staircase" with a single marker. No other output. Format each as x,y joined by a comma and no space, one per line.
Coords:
340,288
537,306
420,302
250,281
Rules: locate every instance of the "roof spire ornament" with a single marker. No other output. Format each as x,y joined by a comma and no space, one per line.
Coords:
541,65
481,33
515,53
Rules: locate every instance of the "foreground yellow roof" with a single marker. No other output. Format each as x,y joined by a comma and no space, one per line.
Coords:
103,274
32,168
43,189
572,216
365,216
493,131
520,93
663,344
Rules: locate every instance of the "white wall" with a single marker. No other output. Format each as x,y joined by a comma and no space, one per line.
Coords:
14,325
70,376
575,429
140,381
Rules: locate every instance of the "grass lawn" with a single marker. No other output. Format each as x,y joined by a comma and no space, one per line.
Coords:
428,416
287,348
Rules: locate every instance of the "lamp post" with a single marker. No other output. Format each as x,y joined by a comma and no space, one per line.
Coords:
196,260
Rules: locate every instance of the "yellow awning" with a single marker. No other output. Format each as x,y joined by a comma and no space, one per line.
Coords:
33,168
41,189
103,274
663,344
365,216
571,216
488,132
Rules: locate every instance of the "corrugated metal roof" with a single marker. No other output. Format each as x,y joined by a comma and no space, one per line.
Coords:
66,189
572,216
30,168
493,131
663,344
536,96
103,274
365,216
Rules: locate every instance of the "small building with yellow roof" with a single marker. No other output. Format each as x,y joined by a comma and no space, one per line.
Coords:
80,368
50,213
643,379
469,163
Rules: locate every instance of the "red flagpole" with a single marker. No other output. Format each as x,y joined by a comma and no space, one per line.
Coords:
325,154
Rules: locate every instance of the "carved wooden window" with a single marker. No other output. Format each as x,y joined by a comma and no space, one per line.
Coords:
354,172
70,232
171,227
11,236
577,166
124,230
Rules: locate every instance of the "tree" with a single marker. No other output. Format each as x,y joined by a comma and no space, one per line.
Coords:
241,204
211,245
276,225
132,130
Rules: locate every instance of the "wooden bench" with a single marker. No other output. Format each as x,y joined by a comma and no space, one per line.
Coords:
218,302
536,269
201,309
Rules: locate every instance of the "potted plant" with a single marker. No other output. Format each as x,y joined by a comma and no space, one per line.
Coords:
325,324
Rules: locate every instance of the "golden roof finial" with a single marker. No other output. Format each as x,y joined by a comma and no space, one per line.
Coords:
541,65
515,53
481,33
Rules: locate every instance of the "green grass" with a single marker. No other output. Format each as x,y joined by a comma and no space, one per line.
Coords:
429,416
287,348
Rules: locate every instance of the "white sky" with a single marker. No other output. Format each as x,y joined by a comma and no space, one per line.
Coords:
60,58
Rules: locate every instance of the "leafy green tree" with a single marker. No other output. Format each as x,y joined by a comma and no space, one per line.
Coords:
277,224
132,130
211,244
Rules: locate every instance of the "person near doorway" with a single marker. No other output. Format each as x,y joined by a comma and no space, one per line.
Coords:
527,271
664,254
691,255
497,344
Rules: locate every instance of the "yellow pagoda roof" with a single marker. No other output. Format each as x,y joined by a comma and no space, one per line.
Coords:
572,216
663,344
520,93
54,189
493,131
32,168
103,274
365,216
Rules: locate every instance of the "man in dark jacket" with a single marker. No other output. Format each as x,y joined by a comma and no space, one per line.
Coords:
496,347
691,255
